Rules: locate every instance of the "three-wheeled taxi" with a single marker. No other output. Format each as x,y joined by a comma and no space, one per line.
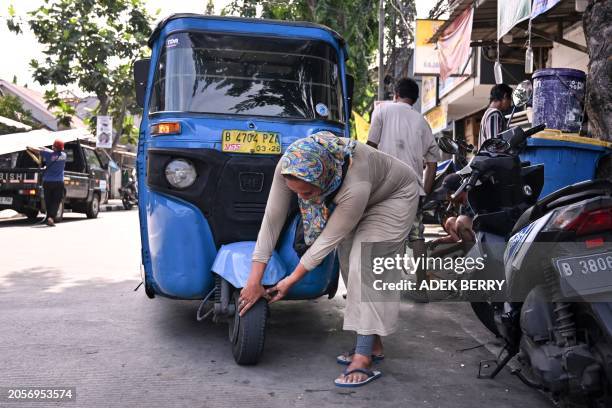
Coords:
223,98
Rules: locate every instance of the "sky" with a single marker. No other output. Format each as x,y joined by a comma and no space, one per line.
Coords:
18,50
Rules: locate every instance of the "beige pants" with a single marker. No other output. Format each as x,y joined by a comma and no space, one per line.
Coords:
387,221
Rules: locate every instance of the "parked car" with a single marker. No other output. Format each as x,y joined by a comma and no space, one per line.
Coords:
85,183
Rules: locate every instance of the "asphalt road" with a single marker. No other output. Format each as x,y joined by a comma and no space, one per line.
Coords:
69,317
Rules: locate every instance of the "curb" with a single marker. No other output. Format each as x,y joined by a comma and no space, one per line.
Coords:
8,214
115,207
112,207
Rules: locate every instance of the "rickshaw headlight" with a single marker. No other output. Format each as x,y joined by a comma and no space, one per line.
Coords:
180,173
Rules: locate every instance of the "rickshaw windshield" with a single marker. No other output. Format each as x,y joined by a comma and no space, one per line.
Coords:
248,75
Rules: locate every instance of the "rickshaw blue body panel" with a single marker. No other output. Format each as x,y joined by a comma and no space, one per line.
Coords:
179,253
233,263
177,265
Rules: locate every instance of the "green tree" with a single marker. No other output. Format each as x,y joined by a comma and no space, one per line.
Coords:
62,110
91,44
11,108
357,22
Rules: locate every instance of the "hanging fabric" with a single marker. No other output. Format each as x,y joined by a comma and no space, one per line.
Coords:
454,44
510,13
542,6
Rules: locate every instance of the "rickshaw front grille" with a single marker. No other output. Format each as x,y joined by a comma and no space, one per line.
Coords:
233,203
249,208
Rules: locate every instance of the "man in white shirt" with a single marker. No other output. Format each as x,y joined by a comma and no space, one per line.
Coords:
402,132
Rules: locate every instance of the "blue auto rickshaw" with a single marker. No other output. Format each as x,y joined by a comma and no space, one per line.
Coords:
223,97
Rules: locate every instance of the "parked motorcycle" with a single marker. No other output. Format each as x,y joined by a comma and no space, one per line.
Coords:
555,257
129,194
436,209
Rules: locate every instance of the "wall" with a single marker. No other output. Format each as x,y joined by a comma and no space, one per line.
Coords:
564,57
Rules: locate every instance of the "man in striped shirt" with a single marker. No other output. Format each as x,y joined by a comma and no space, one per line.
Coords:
493,121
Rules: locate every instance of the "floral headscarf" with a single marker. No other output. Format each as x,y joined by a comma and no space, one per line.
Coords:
317,159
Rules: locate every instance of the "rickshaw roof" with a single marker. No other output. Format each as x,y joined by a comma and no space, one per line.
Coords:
304,24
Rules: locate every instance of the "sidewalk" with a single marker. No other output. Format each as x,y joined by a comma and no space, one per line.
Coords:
7,214
113,205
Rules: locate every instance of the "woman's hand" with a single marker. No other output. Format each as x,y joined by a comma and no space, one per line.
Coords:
280,290
249,295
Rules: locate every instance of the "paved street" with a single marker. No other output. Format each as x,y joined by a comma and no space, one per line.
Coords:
70,317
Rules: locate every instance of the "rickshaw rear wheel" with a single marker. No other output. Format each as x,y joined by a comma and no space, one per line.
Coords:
248,333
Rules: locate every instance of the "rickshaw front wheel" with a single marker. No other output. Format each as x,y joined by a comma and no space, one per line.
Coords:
248,333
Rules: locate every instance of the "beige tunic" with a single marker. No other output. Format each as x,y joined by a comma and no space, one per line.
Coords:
377,202
372,178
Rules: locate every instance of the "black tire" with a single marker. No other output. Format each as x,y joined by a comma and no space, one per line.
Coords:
126,204
93,207
486,314
31,214
248,333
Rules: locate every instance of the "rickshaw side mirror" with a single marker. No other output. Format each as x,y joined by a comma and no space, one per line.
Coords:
350,85
141,72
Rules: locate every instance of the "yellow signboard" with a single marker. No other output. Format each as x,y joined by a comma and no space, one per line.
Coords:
437,118
362,127
425,54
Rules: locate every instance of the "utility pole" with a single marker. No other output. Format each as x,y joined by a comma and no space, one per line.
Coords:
381,50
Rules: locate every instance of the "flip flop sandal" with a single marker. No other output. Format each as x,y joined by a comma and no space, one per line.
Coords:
372,375
347,358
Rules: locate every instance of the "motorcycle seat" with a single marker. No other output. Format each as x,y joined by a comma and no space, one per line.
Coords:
567,195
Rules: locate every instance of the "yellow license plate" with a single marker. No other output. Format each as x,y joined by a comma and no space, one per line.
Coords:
252,142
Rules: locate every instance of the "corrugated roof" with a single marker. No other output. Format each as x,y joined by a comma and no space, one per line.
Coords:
15,142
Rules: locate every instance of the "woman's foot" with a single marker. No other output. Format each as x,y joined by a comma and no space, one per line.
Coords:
358,362
50,222
378,353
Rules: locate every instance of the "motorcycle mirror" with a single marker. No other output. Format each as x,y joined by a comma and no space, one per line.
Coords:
522,93
448,145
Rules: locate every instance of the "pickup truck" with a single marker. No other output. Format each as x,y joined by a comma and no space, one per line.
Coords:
85,183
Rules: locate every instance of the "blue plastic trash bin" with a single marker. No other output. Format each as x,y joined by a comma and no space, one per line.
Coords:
567,159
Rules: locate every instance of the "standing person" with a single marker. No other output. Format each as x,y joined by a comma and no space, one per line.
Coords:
493,121
53,177
374,199
402,132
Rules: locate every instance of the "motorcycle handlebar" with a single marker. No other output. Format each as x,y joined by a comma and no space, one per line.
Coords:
517,138
534,130
467,185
